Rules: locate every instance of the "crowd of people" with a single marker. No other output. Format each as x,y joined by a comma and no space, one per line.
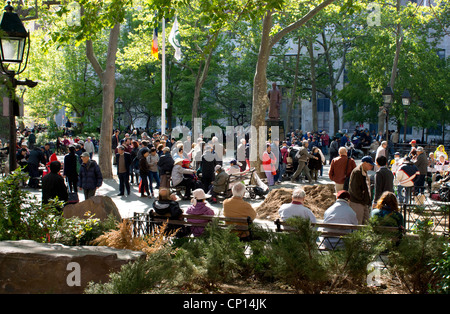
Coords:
159,163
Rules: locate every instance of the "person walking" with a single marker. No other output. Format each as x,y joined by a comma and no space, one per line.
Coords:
90,178
53,185
72,164
89,147
123,161
144,169
152,160
359,189
384,179
302,156
338,173
269,162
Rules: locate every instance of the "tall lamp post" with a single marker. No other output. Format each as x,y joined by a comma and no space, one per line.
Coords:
14,42
119,103
242,113
388,95
406,101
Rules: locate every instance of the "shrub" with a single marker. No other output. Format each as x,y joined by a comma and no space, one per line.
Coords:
441,267
295,260
21,215
215,257
359,250
412,260
138,277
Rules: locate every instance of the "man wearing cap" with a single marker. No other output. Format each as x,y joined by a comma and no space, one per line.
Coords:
219,185
90,176
359,189
421,162
178,178
413,151
339,213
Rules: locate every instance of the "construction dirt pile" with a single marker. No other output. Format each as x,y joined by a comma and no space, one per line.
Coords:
318,198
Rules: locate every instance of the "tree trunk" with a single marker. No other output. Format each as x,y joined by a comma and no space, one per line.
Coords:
108,81
291,104
201,77
260,100
398,45
312,62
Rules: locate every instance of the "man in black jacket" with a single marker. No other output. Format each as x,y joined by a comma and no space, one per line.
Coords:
165,165
421,162
35,159
53,185
384,178
123,162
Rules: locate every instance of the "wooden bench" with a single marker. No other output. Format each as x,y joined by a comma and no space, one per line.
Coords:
331,235
145,223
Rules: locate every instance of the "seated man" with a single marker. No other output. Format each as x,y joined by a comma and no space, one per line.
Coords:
339,213
166,205
219,185
178,178
296,207
236,207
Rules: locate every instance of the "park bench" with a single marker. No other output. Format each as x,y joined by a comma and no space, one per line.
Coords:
145,223
331,234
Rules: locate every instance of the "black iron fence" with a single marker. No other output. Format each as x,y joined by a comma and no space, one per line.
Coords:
422,208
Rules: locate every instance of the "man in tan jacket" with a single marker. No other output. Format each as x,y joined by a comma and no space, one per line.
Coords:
236,207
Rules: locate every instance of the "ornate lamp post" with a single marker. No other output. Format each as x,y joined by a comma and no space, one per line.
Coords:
388,96
406,101
119,106
14,42
242,113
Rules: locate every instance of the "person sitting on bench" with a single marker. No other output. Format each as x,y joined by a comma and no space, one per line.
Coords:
178,178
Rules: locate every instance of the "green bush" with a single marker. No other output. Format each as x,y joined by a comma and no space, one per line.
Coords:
441,267
138,277
215,257
22,217
412,260
349,263
295,260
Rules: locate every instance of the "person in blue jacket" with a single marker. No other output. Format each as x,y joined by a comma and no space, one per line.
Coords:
90,176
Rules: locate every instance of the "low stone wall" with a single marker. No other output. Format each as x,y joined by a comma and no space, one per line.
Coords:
30,267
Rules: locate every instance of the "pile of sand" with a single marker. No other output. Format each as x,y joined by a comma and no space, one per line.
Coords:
318,198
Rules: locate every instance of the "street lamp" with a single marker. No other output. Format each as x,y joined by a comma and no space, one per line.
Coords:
119,103
406,101
242,112
14,41
388,96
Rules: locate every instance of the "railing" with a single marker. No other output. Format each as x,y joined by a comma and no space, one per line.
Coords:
420,208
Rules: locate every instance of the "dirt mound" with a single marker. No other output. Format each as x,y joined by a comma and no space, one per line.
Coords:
318,198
